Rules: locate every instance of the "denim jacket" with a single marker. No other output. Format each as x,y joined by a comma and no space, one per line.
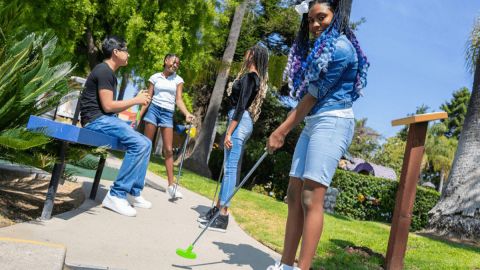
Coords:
334,89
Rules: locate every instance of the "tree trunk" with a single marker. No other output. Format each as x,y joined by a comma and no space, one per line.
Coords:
440,185
198,160
458,211
92,50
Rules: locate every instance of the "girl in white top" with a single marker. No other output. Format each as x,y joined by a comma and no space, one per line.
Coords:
166,88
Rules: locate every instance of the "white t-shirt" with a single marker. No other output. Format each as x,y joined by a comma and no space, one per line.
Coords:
165,89
342,113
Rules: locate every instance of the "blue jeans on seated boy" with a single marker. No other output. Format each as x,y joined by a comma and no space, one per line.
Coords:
231,160
131,176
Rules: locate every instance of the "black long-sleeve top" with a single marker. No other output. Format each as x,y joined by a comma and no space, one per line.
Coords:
244,92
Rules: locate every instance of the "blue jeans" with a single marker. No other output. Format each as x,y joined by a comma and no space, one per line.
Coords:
131,176
232,156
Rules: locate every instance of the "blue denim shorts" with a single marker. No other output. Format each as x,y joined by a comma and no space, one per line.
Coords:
320,146
159,117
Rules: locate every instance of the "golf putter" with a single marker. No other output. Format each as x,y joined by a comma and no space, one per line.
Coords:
187,139
188,253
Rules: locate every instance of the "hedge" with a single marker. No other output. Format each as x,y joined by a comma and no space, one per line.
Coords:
370,198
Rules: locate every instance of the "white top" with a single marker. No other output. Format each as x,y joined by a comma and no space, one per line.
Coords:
165,89
342,113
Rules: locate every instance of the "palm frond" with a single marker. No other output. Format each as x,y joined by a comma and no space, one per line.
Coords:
29,83
22,139
33,158
49,48
14,60
54,76
473,47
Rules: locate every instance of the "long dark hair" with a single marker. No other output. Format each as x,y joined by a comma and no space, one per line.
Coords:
258,56
300,59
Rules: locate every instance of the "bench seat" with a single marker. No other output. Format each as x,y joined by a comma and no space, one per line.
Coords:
73,134
68,133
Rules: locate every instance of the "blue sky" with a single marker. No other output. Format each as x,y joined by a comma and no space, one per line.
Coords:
416,50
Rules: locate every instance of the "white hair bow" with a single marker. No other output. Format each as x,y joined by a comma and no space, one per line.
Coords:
303,7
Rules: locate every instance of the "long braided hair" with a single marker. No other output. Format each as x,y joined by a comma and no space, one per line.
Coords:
304,65
257,56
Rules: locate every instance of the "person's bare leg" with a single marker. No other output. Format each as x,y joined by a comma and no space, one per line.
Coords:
294,225
167,139
149,131
313,195
224,211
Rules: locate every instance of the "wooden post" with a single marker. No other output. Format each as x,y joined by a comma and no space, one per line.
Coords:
412,160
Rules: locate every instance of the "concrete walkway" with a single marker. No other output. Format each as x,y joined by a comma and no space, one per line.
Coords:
97,238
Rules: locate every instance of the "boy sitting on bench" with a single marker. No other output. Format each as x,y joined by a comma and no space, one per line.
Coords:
98,108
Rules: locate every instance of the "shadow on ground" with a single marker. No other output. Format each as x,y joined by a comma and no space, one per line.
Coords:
23,199
346,255
239,255
88,204
201,209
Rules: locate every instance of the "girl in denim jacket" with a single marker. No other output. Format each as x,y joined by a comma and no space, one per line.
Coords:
327,78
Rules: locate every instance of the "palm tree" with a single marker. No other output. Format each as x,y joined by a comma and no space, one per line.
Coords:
440,151
458,211
198,160
365,140
31,83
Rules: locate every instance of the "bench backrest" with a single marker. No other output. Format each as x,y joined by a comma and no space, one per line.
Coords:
73,134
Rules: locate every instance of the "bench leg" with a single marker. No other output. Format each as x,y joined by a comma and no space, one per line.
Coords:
96,181
57,172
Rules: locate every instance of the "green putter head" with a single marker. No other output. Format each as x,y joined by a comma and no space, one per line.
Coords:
187,253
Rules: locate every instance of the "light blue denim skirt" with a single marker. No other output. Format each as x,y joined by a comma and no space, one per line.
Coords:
158,116
320,146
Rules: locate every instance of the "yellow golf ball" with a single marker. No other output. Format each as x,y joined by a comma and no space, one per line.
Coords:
192,132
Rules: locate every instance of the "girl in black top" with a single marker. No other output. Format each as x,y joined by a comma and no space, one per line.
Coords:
245,97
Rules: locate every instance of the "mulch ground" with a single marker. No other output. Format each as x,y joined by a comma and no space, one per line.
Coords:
22,199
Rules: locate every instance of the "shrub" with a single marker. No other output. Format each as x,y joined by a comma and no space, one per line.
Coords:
371,198
31,84
88,162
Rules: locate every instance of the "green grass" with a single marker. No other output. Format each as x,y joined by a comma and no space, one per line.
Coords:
264,218
87,167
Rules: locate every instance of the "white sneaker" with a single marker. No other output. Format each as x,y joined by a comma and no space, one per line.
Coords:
140,202
281,266
171,190
118,205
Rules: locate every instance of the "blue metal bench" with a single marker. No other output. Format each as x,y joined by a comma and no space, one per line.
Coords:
68,133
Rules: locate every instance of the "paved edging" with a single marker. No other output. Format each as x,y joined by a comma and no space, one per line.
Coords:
13,170
25,254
